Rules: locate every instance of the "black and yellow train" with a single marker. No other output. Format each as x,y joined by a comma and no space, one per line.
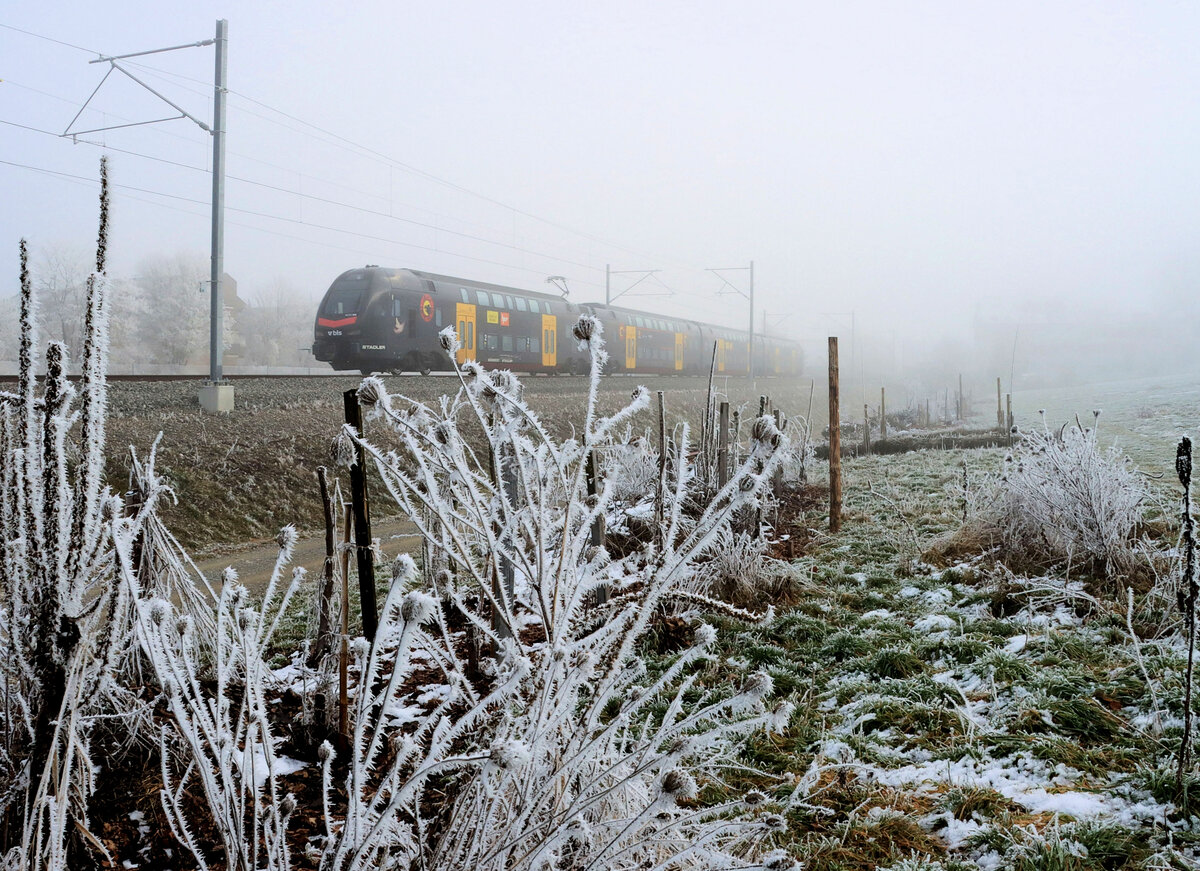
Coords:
387,320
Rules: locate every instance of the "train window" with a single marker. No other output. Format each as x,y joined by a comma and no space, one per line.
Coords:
534,345
437,317
509,302
397,308
534,307
521,306
506,343
462,292
481,297
471,335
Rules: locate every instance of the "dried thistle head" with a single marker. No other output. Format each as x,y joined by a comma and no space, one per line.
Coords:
587,328
679,785
448,339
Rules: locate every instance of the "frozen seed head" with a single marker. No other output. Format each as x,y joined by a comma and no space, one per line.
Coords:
372,393
680,748
159,610
183,625
755,798
286,539
508,755
774,823
779,717
704,635
418,607
448,339
586,328
443,433
325,751
679,785
759,685
504,381
342,452
779,860
288,805
360,647
748,483
403,568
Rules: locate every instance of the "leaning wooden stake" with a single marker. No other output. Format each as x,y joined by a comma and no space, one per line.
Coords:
660,490
882,413
835,441
723,446
344,652
362,521
1187,603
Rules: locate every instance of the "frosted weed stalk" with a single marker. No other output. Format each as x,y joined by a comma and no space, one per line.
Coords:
572,756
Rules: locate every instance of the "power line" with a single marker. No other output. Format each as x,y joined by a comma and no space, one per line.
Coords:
49,39
325,200
268,216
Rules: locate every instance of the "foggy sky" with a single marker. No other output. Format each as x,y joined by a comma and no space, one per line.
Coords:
919,167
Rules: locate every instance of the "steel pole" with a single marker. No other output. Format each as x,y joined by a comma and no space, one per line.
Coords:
216,309
751,344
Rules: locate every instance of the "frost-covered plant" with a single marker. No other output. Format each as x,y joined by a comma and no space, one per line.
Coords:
571,755
65,617
630,465
222,740
1061,499
734,569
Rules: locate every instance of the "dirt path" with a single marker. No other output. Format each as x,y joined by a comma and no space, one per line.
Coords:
254,561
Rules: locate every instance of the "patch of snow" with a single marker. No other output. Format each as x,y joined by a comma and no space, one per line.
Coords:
1016,644
931,623
877,614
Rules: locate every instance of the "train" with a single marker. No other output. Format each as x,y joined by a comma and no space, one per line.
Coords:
377,319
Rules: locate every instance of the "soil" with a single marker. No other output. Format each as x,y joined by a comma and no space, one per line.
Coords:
238,477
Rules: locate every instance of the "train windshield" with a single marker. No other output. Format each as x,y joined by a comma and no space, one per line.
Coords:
343,297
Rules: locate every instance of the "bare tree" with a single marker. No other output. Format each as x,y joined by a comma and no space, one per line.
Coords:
174,306
277,325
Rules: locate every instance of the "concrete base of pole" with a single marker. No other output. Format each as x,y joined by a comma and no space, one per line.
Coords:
216,398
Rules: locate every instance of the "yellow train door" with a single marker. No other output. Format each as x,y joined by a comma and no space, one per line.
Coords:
549,340
720,355
464,315
679,352
631,347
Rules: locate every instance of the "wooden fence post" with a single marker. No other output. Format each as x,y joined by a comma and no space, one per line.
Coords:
362,521
344,648
723,447
882,413
835,440
866,431
592,473
999,408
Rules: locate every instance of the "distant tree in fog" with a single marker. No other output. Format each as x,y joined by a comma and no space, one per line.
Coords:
173,305
276,326
59,275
